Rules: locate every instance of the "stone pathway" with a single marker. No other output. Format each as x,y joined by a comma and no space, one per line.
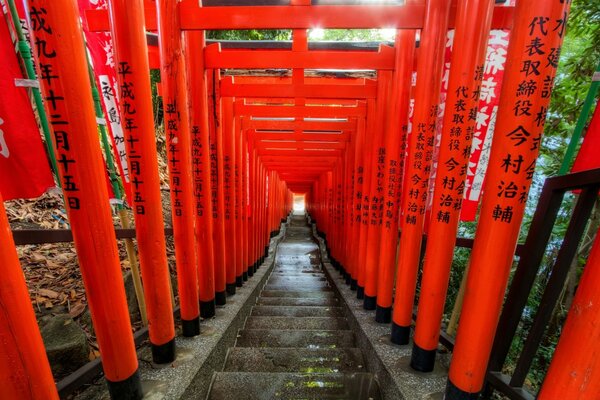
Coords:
296,343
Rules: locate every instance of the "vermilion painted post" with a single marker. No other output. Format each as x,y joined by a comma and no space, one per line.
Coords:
396,127
216,186
359,186
368,171
253,217
348,210
133,74
64,80
195,43
228,158
376,191
179,153
418,164
532,59
24,369
574,371
237,205
473,23
245,209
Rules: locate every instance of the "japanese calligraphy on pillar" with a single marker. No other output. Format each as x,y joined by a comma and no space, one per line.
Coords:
227,185
214,176
528,96
376,207
198,169
128,110
172,120
54,99
489,99
359,195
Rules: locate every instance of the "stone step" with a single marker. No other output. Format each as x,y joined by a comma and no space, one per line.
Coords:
316,294
316,286
298,271
325,361
268,385
298,301
293,279
325,323
306,275
296,311
314,339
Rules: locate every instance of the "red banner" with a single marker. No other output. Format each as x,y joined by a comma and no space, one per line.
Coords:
101,51
588,154
24,167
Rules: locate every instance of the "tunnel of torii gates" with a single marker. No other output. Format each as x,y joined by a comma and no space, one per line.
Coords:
240,146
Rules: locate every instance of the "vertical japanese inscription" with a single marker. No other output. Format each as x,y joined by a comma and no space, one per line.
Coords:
132,135
529,95
172,121
54,99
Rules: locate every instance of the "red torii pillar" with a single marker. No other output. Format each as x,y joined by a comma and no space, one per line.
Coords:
574,370
179,152
532,57
65,84
24,369
473,23
228,160
133,74
376,195
396,127
369,169
217,187
199,118
418,164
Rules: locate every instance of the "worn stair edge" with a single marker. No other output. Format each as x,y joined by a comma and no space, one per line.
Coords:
325,323
297,301
296,311
283,385
389,362
302,360
316,339
189,376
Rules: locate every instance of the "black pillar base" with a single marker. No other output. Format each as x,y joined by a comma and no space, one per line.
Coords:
221,298
230,288
163,353
250,272
266,253
454,393
207,309
129,389
245,276
383,315
283,220
353,284
422,360
348,279
239,281
360,292
190,328
400,334
370,302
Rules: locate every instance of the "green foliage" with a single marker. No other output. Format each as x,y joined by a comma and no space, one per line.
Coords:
579,59
352,35
253,34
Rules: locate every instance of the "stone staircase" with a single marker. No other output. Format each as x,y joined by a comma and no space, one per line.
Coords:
296,343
